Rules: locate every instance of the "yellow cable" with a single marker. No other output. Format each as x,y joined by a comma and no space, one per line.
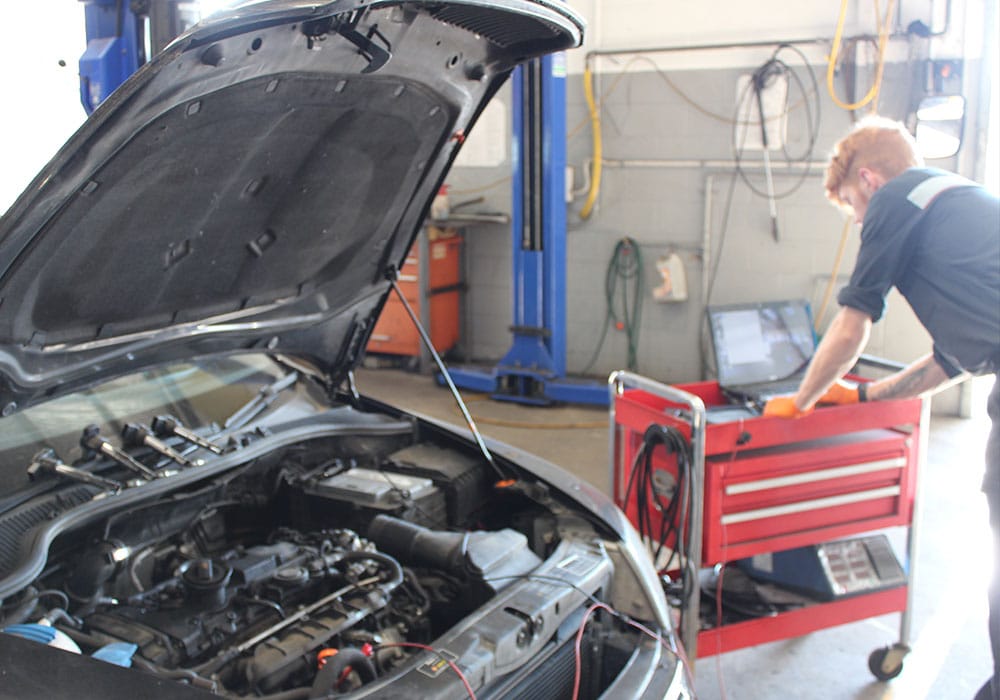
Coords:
600,103
883,35
594,118
531,425
883,41
482,188
666,79
595,127
872,96
833,275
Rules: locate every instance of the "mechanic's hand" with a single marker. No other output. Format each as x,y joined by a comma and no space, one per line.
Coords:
783,407
839,394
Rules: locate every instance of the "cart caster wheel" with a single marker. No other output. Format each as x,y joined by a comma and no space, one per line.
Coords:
887,663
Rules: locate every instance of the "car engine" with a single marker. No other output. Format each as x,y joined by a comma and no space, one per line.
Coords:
203,613
252,615
325,566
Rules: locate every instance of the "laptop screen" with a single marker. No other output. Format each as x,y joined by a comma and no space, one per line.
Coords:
761,342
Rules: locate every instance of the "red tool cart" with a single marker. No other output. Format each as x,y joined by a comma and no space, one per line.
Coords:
759,487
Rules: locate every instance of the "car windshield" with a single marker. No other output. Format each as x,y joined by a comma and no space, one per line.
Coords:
199,394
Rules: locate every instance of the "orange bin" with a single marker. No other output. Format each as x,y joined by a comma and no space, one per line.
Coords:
394,333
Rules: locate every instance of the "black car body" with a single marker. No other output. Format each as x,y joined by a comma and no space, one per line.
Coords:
193,490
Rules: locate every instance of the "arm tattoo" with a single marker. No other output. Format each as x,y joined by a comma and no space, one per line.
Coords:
906,385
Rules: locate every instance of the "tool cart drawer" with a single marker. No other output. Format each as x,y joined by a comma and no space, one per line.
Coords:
805,493
775,483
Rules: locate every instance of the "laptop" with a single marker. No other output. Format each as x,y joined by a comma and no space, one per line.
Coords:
761,349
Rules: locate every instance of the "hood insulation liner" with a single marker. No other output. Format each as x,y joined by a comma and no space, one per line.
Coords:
276,218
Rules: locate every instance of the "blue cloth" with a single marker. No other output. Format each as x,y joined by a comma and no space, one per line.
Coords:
42,634
117,653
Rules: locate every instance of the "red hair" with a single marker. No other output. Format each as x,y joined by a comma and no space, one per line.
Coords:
876,143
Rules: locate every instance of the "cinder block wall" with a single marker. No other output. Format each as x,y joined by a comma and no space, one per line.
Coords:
663,206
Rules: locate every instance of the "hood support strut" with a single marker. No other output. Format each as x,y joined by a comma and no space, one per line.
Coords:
391,274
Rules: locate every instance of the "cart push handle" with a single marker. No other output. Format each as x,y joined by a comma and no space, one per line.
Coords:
618,382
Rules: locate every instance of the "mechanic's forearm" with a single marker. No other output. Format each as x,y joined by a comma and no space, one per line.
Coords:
923,376
842,344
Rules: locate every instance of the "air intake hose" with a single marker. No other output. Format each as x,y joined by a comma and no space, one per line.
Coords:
493,558
419,546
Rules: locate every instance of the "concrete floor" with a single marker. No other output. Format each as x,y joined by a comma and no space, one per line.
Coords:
950,657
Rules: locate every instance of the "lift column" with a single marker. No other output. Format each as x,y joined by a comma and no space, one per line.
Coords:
538,236
533,370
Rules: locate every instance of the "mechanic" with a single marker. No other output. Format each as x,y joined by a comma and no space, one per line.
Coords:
936,237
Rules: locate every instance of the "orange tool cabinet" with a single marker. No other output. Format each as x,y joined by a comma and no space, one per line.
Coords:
765,485
430,279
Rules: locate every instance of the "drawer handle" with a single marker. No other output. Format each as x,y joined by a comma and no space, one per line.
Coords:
818,475
379,337
815,504
408,278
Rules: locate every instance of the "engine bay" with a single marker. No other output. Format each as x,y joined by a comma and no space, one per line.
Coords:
330,565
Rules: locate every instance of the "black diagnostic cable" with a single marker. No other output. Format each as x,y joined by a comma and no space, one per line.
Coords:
763,77
674,513
813,118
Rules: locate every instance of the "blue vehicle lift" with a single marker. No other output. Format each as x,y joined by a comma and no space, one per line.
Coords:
116,41
115,49
533,371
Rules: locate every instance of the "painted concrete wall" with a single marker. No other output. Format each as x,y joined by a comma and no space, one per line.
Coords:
663,116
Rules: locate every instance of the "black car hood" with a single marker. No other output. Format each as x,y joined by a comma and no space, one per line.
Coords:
250,187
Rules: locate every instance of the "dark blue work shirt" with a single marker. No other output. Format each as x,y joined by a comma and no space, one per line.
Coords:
935,236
